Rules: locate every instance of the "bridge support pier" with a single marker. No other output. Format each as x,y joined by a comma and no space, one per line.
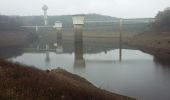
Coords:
47,53
59,27
59,40
78,46
78,21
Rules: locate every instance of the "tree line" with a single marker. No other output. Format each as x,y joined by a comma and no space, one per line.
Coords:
162,22
14,22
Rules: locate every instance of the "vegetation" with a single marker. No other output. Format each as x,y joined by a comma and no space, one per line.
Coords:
18,82
158,36
162,22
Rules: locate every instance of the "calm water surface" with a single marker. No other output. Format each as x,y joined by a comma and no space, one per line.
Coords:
138,75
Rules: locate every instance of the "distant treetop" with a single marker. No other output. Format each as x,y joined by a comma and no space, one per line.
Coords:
163,20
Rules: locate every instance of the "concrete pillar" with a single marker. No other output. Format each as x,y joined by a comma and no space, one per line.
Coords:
78,21
59,38
36,28
47,59
38,47
120,40
59,27
47,47
78,42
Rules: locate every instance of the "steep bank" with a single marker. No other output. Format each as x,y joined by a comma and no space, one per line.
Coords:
18,82
159,40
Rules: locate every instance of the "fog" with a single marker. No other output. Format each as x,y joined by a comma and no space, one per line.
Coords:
115,8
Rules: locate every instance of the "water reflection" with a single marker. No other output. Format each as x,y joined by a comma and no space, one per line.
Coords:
163,60
161,57
138,75
47,59
6,53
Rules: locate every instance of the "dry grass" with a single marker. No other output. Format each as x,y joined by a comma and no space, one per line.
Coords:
18,82
152,40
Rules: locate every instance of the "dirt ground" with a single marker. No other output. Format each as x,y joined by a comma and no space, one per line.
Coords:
159,40
19,82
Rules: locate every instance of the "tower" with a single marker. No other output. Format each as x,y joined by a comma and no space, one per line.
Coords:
45,8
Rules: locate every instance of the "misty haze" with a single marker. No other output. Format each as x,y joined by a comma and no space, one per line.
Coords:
85,50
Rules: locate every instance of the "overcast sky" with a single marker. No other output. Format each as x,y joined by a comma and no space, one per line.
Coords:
115,8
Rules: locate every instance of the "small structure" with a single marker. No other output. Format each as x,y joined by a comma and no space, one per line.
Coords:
59,27
78,19
78,22
45,8
58,24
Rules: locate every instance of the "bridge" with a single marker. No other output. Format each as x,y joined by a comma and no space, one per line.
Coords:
78,22
133,20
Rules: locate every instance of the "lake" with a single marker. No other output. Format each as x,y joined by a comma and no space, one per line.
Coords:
138,75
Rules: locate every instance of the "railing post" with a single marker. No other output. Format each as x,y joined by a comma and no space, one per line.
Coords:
120,39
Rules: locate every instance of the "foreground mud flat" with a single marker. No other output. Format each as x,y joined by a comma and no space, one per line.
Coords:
19,82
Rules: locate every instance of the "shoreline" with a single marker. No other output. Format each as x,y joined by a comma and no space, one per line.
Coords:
20,81
160,41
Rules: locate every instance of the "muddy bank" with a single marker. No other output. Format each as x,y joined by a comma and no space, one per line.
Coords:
159,40
18,82
156,44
